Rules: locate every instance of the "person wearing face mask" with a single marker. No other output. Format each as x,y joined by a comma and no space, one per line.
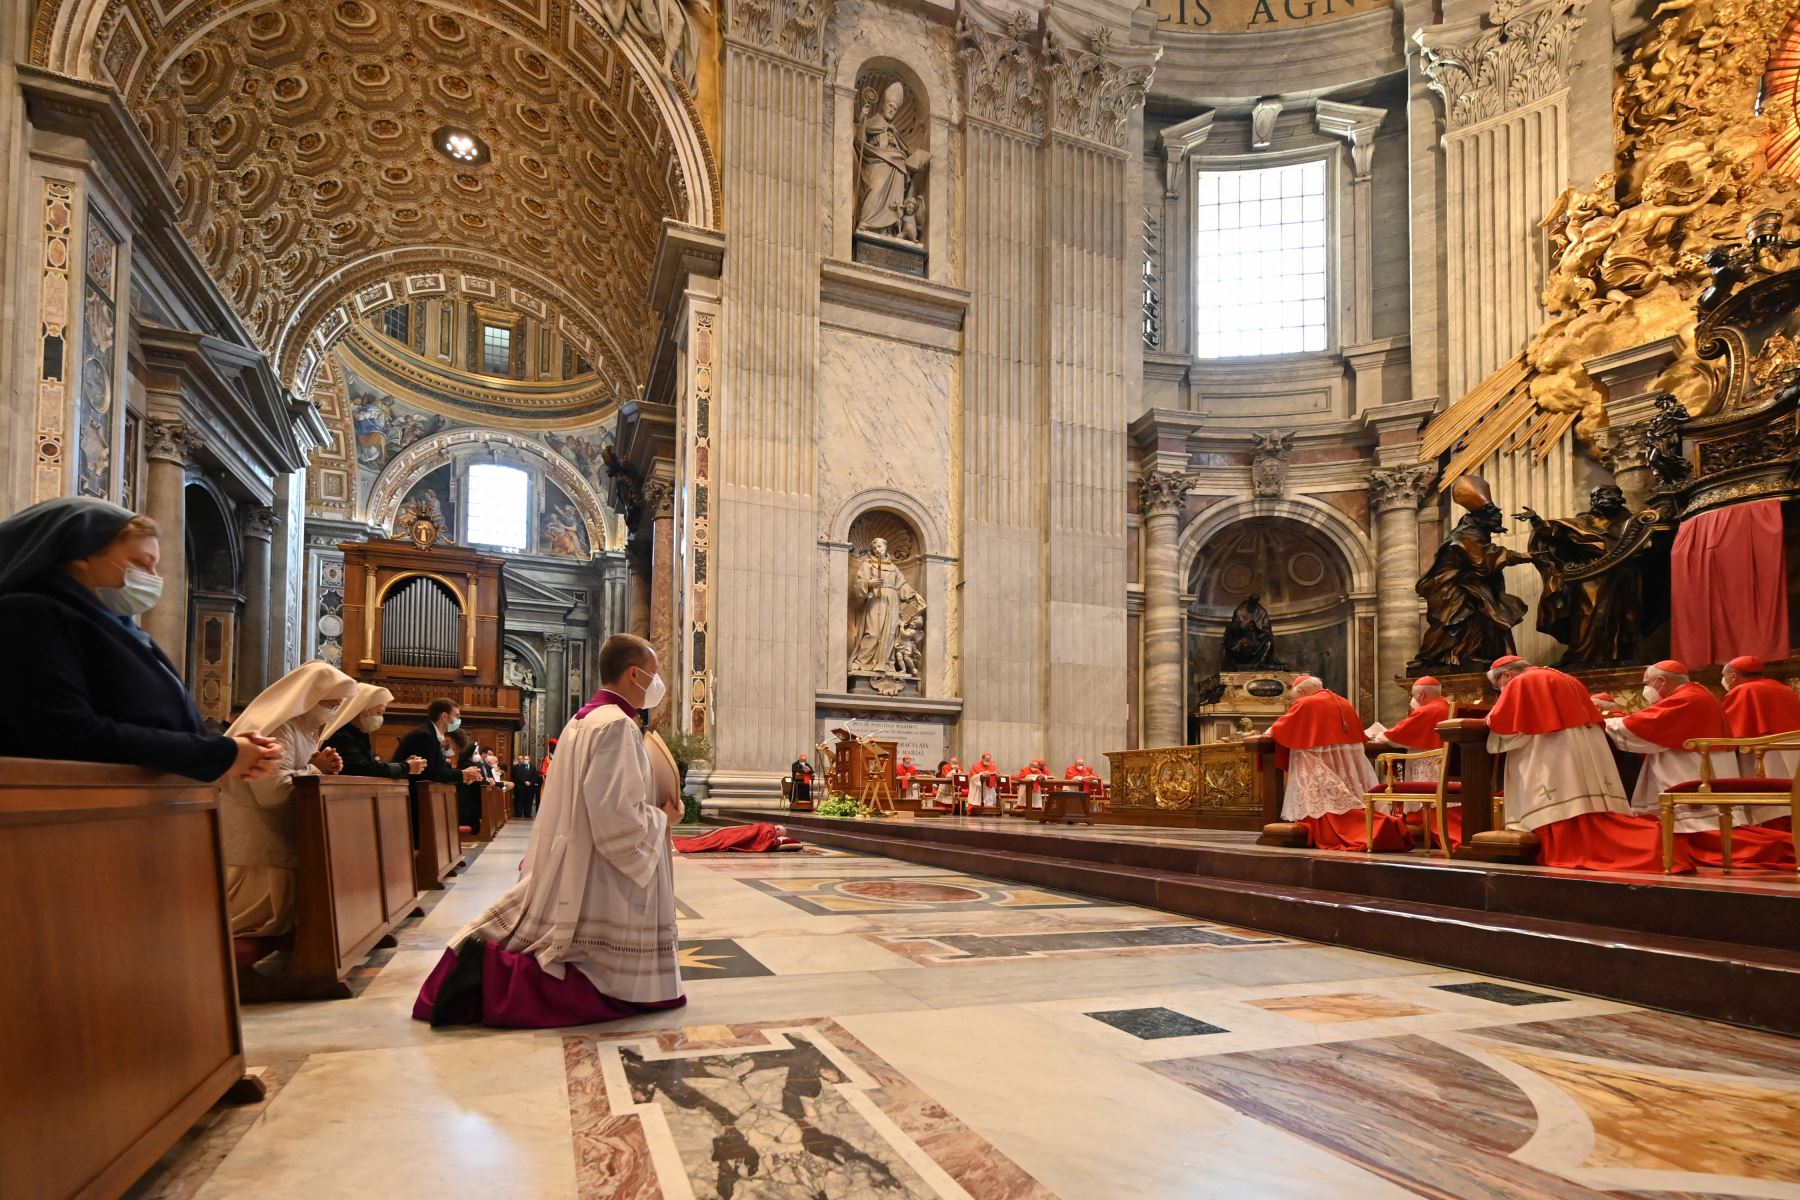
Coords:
1418,729
465,758
257,824
1676,710
442,718
348,734
525,781
1561,782
588,932
75,574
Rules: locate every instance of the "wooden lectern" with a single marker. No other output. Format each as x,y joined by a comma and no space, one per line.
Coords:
864,768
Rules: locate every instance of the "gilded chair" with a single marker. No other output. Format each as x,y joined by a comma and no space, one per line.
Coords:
1730,794
1394,790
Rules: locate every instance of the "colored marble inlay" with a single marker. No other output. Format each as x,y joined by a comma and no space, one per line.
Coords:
776,1109
1634,1104
1154,939
718,958
942,893
1153,1024
1499,993
1345,1006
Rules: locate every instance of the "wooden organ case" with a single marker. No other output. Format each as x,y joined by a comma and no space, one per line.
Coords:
423,619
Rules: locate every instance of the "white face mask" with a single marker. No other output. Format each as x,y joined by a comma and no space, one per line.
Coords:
653,695
454,725
138,594
1414,707
369,722
1652,693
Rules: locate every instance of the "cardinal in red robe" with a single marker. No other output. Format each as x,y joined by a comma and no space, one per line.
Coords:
1680,711
1319,743
1080,770
904,774
1561,781
1418,731
1755,707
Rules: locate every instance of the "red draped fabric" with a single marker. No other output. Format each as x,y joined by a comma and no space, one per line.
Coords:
1728,582
1349,831
1763,847
1608,842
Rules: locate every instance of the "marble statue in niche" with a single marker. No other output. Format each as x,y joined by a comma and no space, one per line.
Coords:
891,159
886,611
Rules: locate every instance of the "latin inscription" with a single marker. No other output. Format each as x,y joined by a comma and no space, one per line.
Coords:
1254,16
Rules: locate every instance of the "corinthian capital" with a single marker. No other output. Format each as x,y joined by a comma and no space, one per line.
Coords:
1093,92
1400,487
795,28
1000,72
170,441
1526,53
258,521
1160,493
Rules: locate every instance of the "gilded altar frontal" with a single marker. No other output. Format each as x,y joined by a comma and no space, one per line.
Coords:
1219,576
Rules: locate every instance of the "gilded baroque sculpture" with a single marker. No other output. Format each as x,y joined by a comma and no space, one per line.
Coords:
1631,254
888,171
1593,591
1469,614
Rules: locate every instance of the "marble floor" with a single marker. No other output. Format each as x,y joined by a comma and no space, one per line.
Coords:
861,1027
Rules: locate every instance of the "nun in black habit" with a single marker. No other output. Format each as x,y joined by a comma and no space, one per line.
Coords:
75,573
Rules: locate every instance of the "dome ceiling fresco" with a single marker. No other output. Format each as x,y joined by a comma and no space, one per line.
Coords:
300,138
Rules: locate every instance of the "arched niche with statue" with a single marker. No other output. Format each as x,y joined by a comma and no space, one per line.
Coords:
892,154
887,610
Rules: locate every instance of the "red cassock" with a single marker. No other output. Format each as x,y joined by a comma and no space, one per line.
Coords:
1763,708
1689,712
1546,779
1418,729
758,838
1330,809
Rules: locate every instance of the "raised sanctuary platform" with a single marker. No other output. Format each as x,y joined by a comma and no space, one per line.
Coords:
1707,946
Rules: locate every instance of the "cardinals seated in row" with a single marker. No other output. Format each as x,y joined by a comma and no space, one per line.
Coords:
1678,711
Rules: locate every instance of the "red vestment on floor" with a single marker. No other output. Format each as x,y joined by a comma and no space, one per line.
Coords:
758,838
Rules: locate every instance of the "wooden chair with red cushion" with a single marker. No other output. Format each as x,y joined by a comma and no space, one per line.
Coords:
1394,790
1728,794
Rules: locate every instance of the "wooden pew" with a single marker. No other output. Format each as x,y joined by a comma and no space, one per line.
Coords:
120,1008
437,844
356,883
493,813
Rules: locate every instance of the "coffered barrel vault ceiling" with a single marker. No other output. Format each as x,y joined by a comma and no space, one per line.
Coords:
298,134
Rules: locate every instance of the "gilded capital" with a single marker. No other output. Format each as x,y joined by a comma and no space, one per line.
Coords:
1400,487
1160,493
1000,72
1093,92
1526,53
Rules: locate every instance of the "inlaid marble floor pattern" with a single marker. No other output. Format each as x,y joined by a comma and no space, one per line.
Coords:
859,1027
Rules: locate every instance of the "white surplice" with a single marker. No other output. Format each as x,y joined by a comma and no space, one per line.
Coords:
1663,769
1328,779
598,891
1551,777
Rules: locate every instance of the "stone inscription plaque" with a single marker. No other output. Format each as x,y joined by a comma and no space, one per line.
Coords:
1255,16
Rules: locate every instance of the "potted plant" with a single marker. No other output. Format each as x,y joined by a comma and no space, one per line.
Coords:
687,749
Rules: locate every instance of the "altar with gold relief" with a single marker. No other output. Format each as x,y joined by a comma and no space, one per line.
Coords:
1218,785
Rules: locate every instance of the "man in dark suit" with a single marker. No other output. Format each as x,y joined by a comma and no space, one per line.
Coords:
427,741
803,780
526,782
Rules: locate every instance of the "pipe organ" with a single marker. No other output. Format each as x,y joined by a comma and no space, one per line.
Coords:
423,619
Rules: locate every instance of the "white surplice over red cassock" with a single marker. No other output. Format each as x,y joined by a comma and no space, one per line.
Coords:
598,892
1659,733
1320,744
1561,781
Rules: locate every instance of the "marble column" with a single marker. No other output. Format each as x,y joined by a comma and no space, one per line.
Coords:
168,448
258,530
1097,84
1503,86
1159,500
556,688
1625,453
764,453
1395,494
659,498
1003,483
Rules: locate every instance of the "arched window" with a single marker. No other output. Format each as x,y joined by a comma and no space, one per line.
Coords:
421,624
499,506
